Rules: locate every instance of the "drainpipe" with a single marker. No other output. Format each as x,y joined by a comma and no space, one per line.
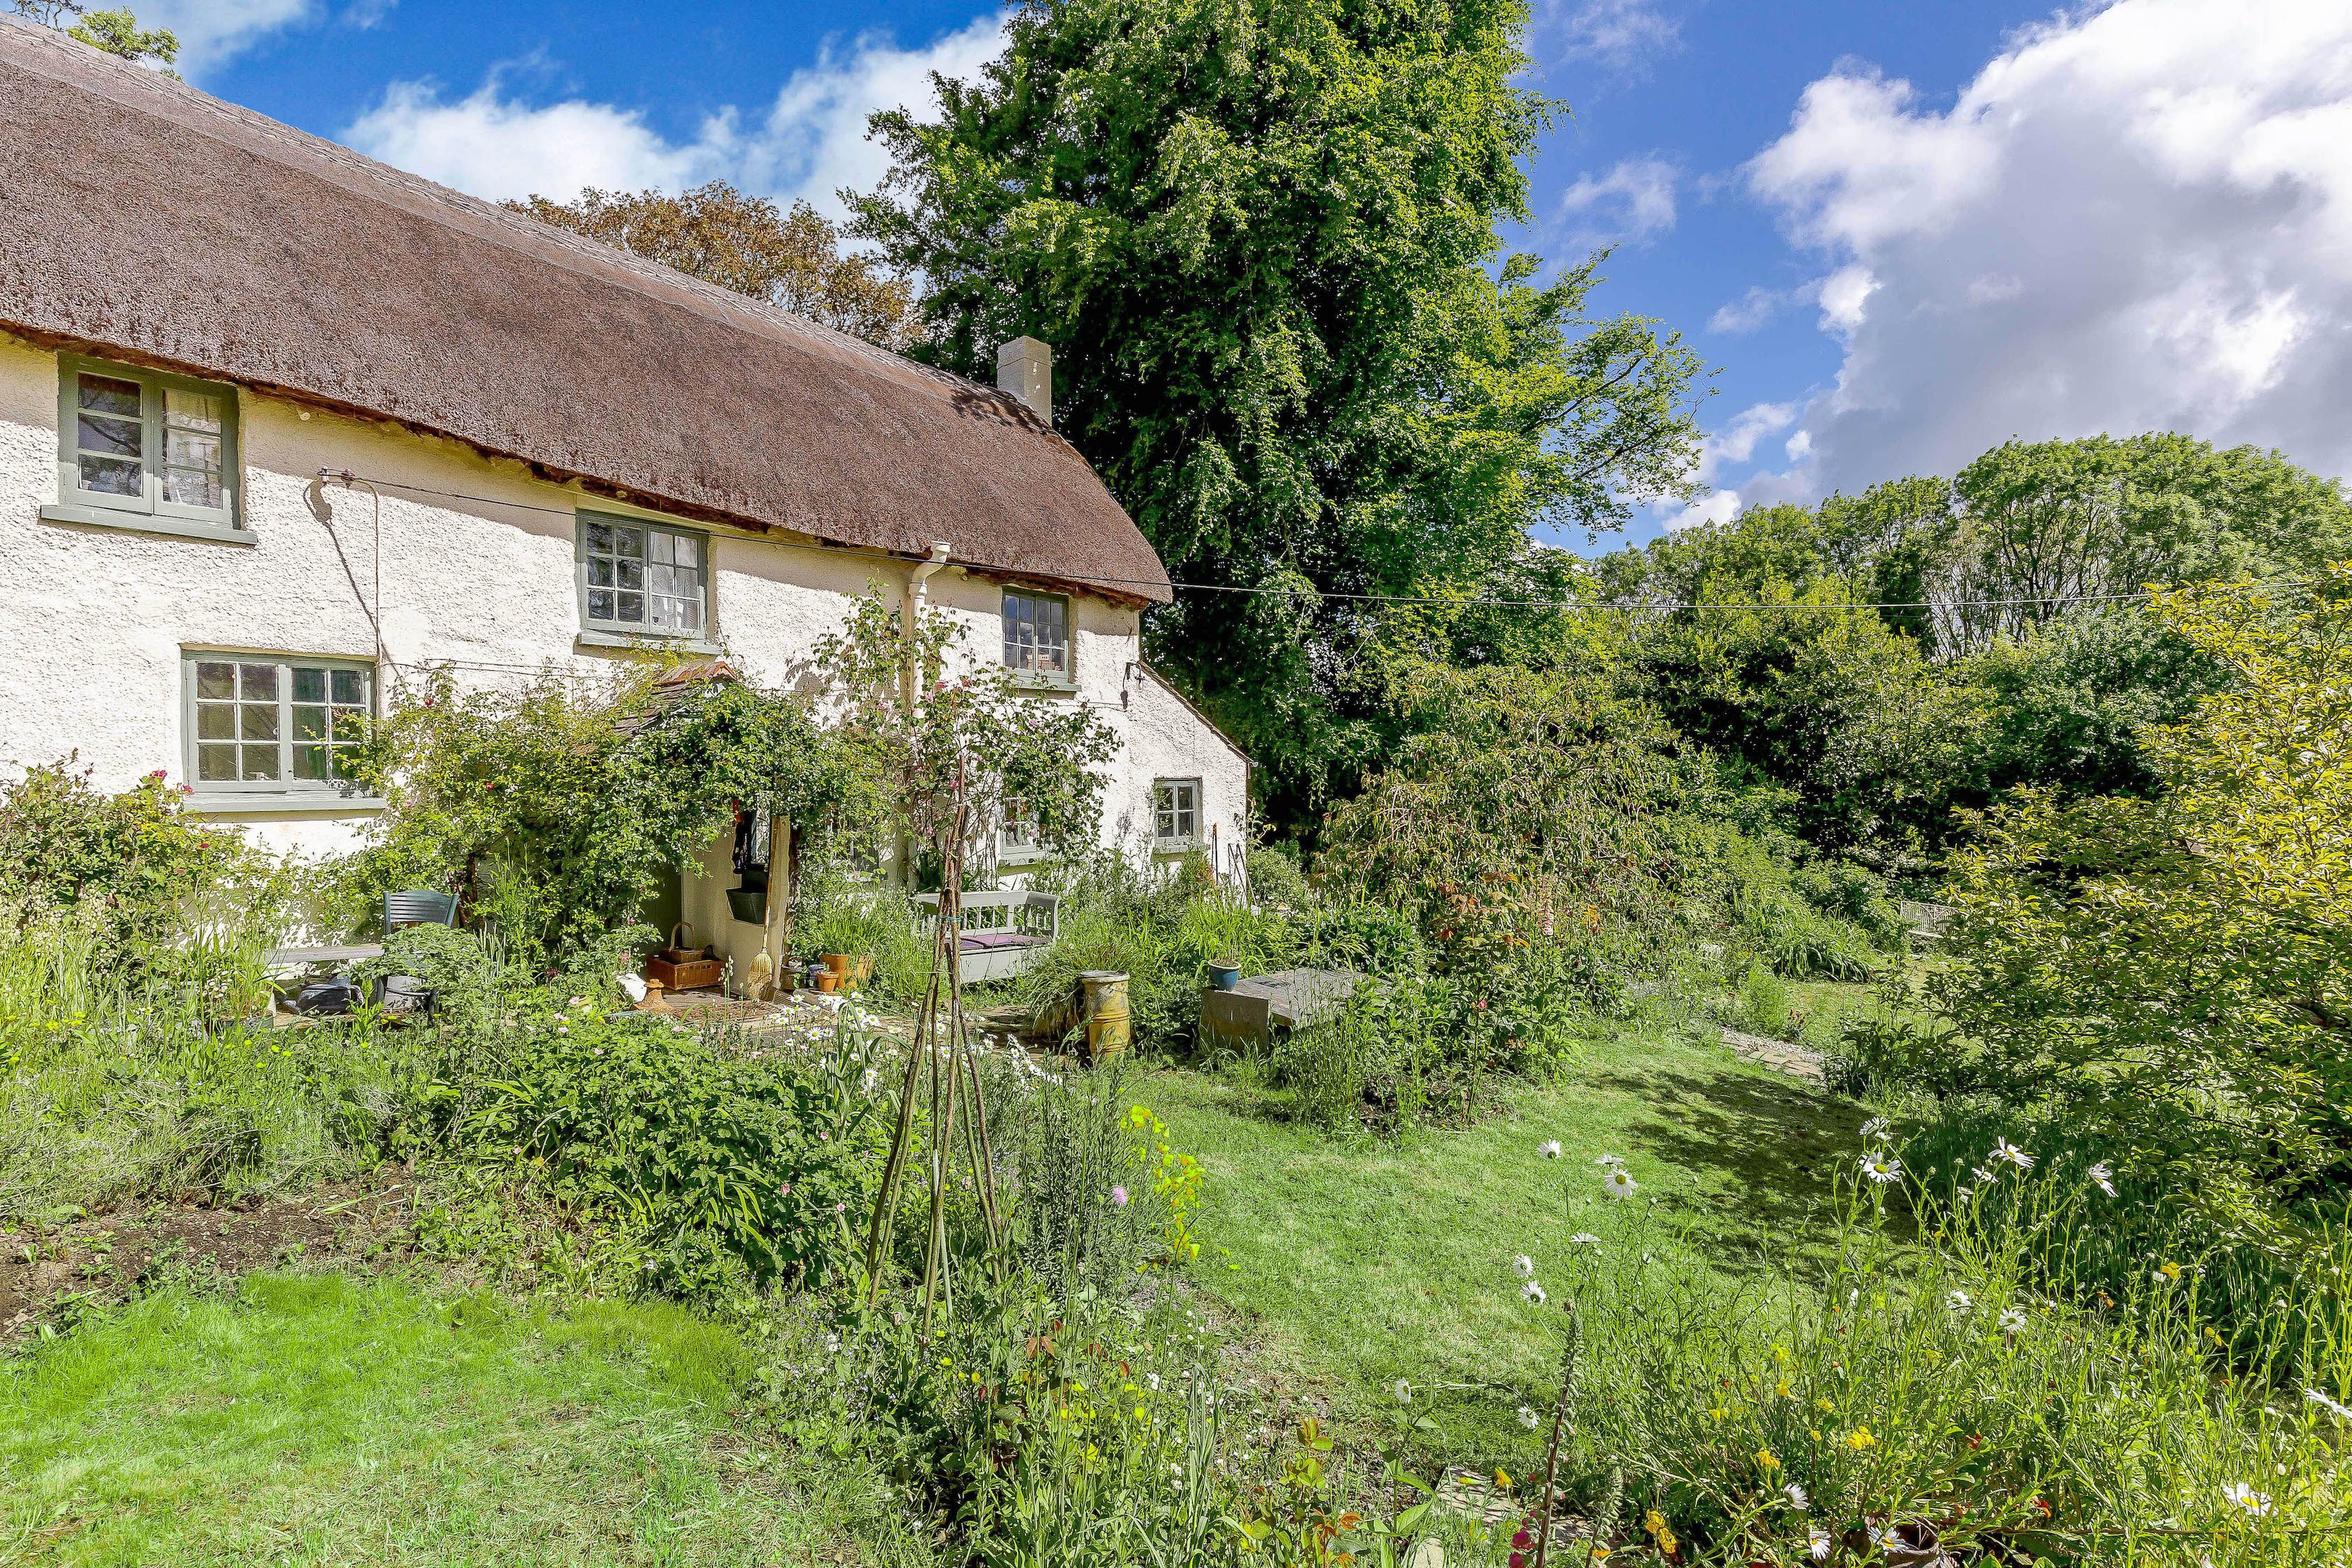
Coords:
918,594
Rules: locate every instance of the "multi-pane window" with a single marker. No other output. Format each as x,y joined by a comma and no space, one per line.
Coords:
641,577
1019,837
1038,635
1175,812
273,723
141,442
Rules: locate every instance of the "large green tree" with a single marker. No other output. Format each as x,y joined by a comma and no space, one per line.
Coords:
1261,237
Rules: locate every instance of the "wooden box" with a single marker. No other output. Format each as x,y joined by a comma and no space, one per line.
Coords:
685,970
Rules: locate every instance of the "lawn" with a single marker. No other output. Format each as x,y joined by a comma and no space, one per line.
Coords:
320,1420
1357,1262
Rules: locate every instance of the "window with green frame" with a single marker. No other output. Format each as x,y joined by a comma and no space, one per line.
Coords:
141,448
643,577
260,724
1037,637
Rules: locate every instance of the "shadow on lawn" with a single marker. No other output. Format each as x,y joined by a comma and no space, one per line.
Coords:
1779,1144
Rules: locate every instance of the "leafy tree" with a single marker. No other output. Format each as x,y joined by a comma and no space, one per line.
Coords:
116,32
2069,703
721,234
2175,973
128,858
1257,233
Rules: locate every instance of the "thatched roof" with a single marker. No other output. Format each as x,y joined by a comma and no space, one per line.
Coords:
141,217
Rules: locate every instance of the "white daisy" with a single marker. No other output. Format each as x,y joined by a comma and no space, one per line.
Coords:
2104,1178
1618,1183
2341,1412
1795,1494
2247,1497
1610,1160
1549,1148
1958,1300
1881,1168
2002,1148
1877,1127
1584,1238
1984,1178
1524,1267
1404,1392
1526,1418
2013,1321
1532,1291
1820,1544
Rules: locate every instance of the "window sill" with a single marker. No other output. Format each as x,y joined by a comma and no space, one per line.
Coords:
1174,846
1045,685
261,805
1023,856
142,522
652,642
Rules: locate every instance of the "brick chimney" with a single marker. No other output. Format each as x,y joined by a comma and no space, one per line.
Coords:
1024,367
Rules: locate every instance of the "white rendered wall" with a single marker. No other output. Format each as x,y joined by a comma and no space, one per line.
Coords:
93,620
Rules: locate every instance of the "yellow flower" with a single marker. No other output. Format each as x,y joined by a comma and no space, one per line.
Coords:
1718,1413
1782,1390
1503,1479
2169,1269
1825,1403
1765,1458
1655,1523
1860,1438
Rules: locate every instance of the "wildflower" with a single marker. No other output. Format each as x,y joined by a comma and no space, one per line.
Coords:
2013,1321
1610,1160
1584,1238
2102,1178
2002,1148
1767,1459
1958,1300
2247,1497
1526,1418
1877,1127
1404,1392
1820,1544
1549,1148
1655,1523
1118,1197
2168,1271
1534,1292
1618,1183
2341,1412
1984,1178
1860,1438
1524,1267
1881,1168
1795,1494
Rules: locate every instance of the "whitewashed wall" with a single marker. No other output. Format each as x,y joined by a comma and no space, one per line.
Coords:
93,620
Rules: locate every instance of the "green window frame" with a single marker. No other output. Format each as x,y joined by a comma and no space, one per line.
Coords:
272,724
1175,813
146,449
1016,840
638,578
1038,647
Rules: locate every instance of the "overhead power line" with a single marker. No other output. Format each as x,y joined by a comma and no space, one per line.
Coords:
1650,607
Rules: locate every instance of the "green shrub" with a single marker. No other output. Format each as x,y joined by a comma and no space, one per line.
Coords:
1100,1195
839,914
1276,879
1764,1003
724,1166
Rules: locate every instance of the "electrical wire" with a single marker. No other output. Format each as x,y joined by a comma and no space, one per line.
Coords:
1655,606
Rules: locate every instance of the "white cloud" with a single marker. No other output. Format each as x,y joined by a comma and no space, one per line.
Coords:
497,145
2134,218
1633,201
1747,312
1620,32
1736,443
1721,506
210,31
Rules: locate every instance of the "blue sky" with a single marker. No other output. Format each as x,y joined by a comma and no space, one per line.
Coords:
1901,232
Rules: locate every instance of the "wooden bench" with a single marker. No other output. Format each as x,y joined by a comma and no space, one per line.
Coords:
1002,931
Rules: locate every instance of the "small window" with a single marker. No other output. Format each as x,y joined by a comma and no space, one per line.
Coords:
641,577
1175,813
1037,636
1018,839
143,448
283,725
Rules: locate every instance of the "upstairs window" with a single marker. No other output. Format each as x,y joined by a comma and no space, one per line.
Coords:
1175,813
258,723
1037,637
139,449
643,577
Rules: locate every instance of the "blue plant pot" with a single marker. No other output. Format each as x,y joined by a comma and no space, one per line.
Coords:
1224,977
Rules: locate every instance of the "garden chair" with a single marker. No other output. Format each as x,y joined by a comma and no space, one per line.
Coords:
419,906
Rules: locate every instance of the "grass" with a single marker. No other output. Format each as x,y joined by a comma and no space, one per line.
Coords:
1362,1262
319,1419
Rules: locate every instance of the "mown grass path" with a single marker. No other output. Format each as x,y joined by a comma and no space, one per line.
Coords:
1360,1262
320,1420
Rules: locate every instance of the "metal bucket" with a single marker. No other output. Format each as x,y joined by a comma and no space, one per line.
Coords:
1103,1005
